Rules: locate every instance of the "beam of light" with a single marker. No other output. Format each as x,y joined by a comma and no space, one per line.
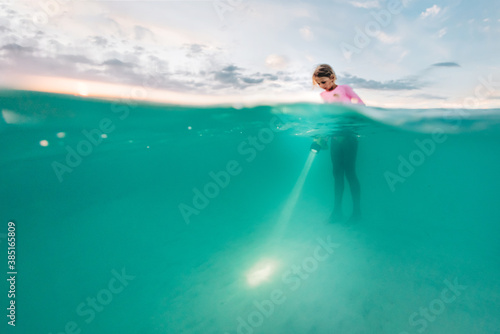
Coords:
287,211
263,270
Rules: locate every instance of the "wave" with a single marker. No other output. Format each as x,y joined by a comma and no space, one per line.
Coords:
46,110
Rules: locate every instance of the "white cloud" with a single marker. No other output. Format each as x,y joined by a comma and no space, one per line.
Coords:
386,39
442,32
306,33
431,11
403,55
366,4
276,61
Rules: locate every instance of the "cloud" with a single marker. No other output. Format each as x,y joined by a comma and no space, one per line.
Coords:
430,96
76,59
117,63
386,39
251,80
227,75
446,64
194,49
101,41
141,33
442,32
431,11
231,77
366,4
276,61
400,84
306,33
271,77
16,48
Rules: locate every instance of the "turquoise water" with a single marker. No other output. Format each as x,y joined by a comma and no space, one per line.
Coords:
215,219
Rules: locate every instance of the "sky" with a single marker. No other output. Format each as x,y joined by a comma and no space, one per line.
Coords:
394,53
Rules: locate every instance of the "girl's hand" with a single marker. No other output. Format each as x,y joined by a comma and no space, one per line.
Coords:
322,141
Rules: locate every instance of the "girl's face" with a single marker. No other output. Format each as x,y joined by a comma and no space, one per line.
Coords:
326,83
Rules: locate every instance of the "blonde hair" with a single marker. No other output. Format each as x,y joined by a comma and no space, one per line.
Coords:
323,70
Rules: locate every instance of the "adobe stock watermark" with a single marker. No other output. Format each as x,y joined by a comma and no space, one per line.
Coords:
96,136
49,9
427,147
420,320
381,19
292,278
88,309
221,179
93,139
223,7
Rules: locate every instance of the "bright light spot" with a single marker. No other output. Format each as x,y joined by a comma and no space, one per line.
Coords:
82,89
104,135
189,128
61,134
44,143
147,146
260,272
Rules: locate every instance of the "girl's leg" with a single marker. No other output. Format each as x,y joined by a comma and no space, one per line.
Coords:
350,153
338,174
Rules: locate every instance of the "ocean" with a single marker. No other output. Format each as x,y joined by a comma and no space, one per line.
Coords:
135,217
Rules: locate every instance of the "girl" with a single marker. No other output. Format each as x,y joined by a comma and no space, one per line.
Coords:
344,143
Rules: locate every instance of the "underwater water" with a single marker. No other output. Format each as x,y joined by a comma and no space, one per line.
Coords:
141,218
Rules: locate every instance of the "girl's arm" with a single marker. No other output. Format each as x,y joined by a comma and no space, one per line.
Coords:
353,96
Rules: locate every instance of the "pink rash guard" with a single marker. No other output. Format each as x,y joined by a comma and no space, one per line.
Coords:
341,94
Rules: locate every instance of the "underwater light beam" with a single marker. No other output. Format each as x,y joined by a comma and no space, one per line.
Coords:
294,196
